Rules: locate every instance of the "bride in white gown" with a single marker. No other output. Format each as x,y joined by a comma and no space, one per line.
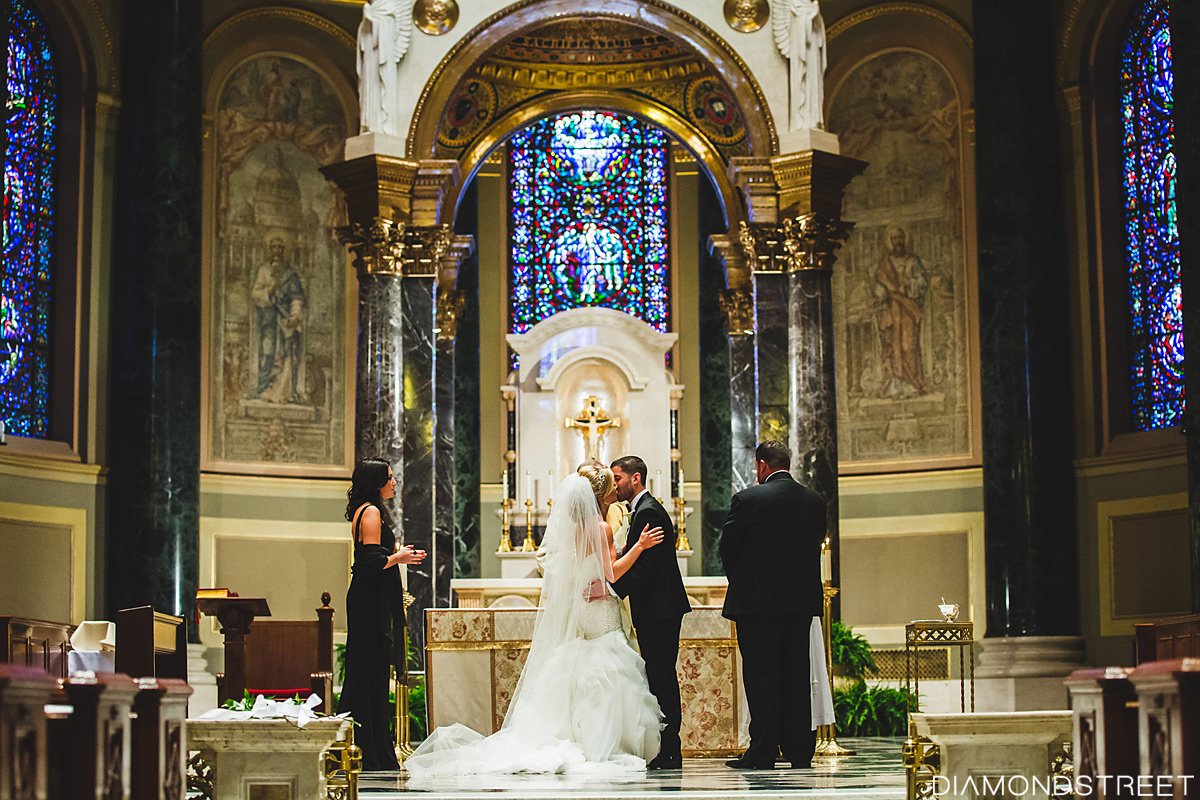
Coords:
582,702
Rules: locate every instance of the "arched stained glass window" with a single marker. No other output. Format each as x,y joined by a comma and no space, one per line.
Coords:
26,274
1151,234
589,221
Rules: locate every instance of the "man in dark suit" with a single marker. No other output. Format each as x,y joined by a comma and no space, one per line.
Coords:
771,549
657,601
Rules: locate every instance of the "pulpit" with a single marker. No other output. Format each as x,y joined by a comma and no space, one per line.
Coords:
235,615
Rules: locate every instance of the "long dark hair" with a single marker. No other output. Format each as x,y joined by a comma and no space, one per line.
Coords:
370,475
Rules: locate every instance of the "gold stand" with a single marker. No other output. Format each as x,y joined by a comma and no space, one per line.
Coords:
827,744
681,540
528,546
404,747
506,545
342,763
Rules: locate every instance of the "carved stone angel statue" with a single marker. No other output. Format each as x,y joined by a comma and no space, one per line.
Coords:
383,38
800,37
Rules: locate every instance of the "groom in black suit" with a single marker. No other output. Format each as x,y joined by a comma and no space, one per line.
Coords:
657,601
771,549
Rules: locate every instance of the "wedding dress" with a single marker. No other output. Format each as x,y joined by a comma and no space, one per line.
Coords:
582,702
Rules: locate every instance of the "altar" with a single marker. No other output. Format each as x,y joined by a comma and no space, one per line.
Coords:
474,657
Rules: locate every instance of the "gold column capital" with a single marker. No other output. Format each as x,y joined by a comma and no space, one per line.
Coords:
378,246
738,305
450,304
812,240
726,248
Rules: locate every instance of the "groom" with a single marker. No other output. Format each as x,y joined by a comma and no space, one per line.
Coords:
657,601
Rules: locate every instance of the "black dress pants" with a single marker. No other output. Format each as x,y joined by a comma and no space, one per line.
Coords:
776,674
659,643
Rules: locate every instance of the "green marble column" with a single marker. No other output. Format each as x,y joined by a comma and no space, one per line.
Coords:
152,529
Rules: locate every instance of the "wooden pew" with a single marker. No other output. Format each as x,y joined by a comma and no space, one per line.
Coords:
1167,639
35,643
92,753
1168,697
24,692
1104,725
158,767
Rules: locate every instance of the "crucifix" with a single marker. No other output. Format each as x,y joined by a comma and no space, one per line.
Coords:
592,423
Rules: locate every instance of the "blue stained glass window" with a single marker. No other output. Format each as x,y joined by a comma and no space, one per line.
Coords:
27,270
589,219
1151,234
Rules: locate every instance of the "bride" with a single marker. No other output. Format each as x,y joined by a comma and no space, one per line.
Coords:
582,702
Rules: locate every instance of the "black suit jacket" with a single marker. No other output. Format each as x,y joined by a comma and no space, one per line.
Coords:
653,584
771,549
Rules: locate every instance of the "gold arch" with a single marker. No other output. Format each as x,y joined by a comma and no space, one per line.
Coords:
654,14
684,131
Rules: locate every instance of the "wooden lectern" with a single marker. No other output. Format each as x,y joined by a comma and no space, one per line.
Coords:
235,615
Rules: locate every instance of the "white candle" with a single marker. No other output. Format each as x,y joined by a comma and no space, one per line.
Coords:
504,484
528,485
681,481
826,563
657,482
549,484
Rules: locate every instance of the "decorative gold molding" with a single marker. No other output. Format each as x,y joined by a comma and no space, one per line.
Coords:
450,304
279,12
384,246
887,9
114,71
475,39
587,76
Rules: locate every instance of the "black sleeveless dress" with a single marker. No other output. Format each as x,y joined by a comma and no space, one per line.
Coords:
374,644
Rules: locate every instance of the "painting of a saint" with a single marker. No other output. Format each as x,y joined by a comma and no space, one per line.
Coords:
278,340
906,387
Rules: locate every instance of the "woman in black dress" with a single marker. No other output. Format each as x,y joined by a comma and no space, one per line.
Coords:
374,613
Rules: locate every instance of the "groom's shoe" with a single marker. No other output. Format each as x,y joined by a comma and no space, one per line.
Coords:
666,762
742,763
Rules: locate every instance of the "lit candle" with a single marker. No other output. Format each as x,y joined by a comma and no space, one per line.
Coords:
528,485
504,484
681,481
657,483
549,484
826,562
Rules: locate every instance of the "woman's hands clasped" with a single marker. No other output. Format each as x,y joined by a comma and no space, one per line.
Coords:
406,554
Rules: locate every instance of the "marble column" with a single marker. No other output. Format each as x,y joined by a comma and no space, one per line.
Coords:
1028,490
1185,27
812,398
152,530
771,301
738,305
467,468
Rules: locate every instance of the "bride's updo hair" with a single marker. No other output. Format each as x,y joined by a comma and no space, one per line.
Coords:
600,477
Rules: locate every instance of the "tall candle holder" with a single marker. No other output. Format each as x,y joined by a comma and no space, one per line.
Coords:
681,539
528,546
506,545
827,744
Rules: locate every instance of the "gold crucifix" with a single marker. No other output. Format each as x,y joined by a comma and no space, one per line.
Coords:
592,423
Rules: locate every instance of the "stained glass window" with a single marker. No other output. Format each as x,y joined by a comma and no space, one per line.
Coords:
26,273
588,195
1151,234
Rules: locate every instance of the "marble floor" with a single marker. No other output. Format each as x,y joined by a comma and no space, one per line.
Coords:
874,773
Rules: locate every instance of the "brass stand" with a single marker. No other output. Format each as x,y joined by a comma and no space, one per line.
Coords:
827,744
341,765
528,546
506,545
681,540
404,747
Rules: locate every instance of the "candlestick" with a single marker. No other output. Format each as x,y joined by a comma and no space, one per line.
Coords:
528,546
681,538
826,562
506,545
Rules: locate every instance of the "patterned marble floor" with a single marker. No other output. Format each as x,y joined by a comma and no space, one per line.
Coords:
875,773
